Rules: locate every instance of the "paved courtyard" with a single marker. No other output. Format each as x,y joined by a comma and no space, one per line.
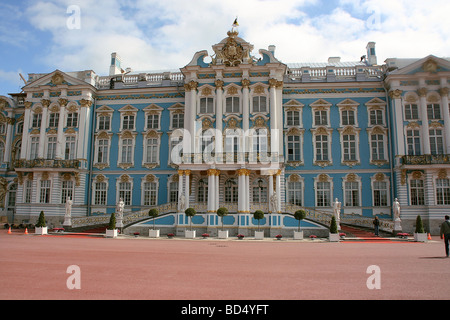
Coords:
35,267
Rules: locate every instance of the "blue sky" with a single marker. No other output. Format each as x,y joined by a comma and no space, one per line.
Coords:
43,35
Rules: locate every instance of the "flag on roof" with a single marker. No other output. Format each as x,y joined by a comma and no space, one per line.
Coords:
235,23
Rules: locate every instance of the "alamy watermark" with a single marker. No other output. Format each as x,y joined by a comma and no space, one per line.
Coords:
73,22
374,280
74,280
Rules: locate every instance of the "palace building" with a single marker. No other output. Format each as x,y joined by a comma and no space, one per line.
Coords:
235,130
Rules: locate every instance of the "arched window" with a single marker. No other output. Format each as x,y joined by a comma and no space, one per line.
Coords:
259,190
202,190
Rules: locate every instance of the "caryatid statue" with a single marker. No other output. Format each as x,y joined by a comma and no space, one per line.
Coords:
68,214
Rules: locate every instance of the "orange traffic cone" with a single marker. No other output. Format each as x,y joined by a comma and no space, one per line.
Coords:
9,230
429,236
26,230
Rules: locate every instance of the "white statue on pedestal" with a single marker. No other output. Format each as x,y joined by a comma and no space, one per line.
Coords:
119,212
396,208
337,209
182,203
68,214
274,202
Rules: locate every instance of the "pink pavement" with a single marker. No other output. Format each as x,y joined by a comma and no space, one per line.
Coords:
35,267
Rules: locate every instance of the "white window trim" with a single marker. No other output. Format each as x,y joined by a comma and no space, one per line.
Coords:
351,177
323,178
151,134
350,130
381,177
322,131
149,179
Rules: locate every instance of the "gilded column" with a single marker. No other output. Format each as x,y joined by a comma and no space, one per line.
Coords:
187,173
245,106
247,191
278,190
241,190
216,182
424,117
445,107
219,100
193,105
180,191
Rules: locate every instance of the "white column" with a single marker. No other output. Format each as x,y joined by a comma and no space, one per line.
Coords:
187,173
280,116
193,106
60,136
396,96
424,118
26,127
247,190
83,120
216,182
241,190
42,135
273,116
245,109
180,187
219,102
445,107
270,191
211,190
278,186
187,114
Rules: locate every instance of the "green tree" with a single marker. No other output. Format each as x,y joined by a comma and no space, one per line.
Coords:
419,225
153,213
258,215
333,225
190,212
300,215
221,212
112,222
41,220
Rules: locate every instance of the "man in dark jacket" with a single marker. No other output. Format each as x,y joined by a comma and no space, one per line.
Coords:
445,234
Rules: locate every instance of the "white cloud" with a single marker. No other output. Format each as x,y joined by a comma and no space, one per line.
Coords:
154,34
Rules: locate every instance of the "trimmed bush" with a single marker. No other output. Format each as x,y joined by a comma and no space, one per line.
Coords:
419,225
300,215
153,213
112,222
258,215
221,212
333,225
41,220
190,212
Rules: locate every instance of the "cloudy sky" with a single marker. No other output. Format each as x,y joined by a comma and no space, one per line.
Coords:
71,35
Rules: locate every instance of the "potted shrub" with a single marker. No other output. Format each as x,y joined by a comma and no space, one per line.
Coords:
258,215
334,235
221,212
153,233
190,212
111,231
41,227
420,234
299,215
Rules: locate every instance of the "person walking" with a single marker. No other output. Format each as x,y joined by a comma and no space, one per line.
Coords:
376,224
445,234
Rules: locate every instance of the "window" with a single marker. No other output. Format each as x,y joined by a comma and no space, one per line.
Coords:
259,104
153,121
443,191
231,191
207,105
66,190
295,193
19,128
417,192
152,148
434,111
260,191
380,194
128,122
320,118
323,194
12,195
349,147
34,148
436,141
51,148
178,120
150,194
348,117
70,148
37,119
376,117
294,148
411,112
127,151
202,190
322,148
293,118
232,105
27,193
53,120
125,192
351,194
44,196
100,194
260,141
102,151
173,192
72,119
413,142
104,122
377,146
2,151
